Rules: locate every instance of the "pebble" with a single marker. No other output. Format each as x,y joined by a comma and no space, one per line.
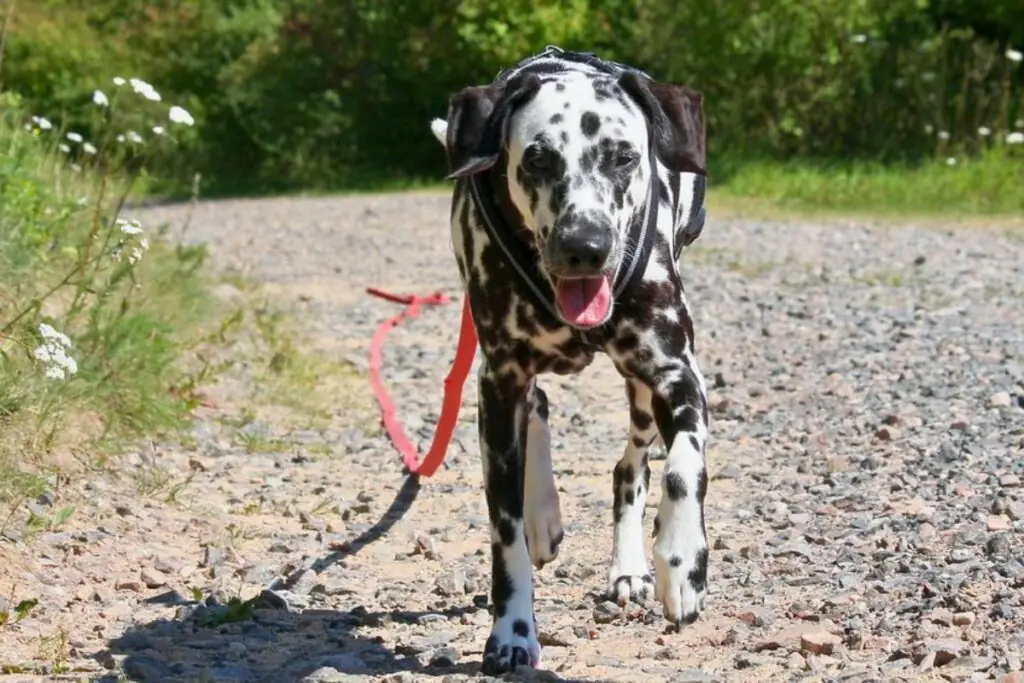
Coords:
451,583
152,578
1001,399
820,642
607,612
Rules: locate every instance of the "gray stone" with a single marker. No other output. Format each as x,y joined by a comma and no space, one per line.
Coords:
607,612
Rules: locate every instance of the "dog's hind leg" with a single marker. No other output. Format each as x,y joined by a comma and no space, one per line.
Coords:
513,641
542,513
629,577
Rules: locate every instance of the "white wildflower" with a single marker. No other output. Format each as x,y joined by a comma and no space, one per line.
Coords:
134,137
118,81
138,251
1014,55
943,134
76,168
951,161
928,76
99,98
50,334
929,129
984,131
54,372
53,354
129,227
82,201
180,115
860,38
64,148
42,123
1015,138
74,137
120,137
1019,123
89,148
159,130
145,89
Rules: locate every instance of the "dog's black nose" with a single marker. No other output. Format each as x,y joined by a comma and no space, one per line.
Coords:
580,250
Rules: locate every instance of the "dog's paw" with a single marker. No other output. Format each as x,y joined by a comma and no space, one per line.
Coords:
625,587
512,645
542,524
681,580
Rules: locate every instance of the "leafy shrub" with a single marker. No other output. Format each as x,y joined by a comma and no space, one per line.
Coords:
96,312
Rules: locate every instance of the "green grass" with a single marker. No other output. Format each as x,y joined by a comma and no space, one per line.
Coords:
991,185
132,327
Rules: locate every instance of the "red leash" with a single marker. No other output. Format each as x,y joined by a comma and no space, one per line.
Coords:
453,383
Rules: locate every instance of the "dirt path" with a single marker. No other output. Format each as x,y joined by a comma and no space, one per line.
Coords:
866,504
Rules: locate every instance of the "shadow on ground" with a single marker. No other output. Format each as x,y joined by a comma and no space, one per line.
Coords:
266,640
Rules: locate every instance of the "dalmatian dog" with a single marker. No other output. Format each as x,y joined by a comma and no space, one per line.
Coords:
577,181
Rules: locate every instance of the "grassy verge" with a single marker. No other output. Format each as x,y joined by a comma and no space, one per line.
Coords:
97,315
986,190
990,187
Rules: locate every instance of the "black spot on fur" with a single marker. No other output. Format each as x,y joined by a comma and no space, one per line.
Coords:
629,499
675,561
639,442
695,443
640,419
507,532
556,119
501,582
675,487
698,576
590,123
560,87
542,403
657,526
521,628
627,343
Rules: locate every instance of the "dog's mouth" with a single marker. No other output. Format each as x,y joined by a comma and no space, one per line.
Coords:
584,301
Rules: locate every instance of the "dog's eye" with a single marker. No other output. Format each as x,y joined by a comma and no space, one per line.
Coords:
626,160
538,160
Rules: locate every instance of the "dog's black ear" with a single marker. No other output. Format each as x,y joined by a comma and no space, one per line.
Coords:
478,123
676,113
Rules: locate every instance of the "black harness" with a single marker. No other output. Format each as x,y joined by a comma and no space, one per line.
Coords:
641,233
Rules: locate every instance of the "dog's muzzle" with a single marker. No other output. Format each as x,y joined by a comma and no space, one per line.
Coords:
579,257
580,248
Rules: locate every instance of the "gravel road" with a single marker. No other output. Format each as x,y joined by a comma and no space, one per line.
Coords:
865,509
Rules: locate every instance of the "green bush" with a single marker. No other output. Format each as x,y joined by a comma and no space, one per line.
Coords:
318,94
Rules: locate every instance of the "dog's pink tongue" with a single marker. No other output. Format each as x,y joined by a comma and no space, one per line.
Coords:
584,301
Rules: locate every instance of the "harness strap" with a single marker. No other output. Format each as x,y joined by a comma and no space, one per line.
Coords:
642,238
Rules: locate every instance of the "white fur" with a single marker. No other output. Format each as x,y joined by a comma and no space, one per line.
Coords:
439,127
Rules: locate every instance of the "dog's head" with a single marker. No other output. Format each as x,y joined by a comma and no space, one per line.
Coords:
574,150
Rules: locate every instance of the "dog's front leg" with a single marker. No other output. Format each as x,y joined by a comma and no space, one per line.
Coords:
628,576
513,640
681,546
